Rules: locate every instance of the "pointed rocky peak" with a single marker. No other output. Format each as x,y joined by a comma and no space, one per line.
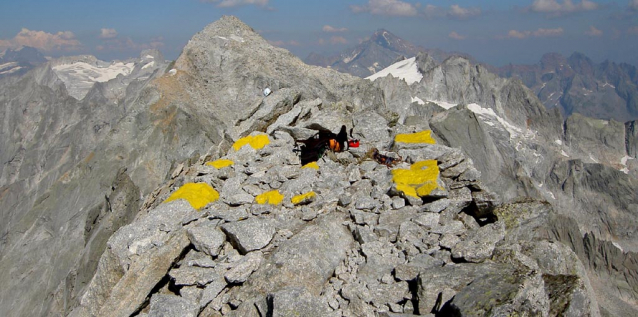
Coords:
553,61
24,54
386,39
228,27
581,64
425,62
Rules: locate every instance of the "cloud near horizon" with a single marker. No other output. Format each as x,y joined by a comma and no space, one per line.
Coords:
554,8
633,5
61,41
127,44
460,13
456,36
515,34
455,12
387,8
108,33
236,3
332,29
593,31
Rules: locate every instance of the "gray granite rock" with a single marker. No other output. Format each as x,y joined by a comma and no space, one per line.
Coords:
479,243
308,259
244,267
171,305
292,302
192,275
251,234
207,237
212,290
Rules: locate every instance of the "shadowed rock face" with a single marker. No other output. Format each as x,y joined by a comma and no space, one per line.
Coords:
101,236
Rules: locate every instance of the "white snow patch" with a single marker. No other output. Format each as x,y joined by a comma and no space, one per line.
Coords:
489,112
418,100
92,73
237,38
444,104
559,142
149,57
551,195
540,185
623,162
610,85
151,64
172,72
563,153
617,246
221,37
7,65
353,56
591,157
624,159
11,71
405,69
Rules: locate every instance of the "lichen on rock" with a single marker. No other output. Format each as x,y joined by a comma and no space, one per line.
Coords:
197,194
273,197
255,141
424,136
221,163
418,181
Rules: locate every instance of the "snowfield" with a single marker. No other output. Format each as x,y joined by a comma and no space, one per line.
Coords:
405,69
90,73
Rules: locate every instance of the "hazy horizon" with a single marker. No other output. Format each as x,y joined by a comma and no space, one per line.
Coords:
497,33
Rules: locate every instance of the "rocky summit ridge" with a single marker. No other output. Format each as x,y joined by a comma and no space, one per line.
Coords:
464,225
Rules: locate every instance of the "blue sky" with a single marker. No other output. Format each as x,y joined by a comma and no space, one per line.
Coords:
496,32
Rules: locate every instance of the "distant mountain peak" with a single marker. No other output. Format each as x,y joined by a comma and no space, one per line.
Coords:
382,49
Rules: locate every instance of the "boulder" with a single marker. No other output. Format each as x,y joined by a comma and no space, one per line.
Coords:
251,234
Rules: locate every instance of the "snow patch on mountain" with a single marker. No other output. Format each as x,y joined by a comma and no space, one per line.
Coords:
82,71
10,71
151,64
405,69
417,100
444,104
7,65
623,162
350,58
489,114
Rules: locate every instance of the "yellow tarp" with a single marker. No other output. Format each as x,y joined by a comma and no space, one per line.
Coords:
418,181
272,197
418,137
197,194
221,163
311,165
302,198
256,142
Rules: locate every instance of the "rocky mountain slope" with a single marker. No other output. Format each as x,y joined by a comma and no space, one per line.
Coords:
374,54
503,210
576,84
48,139
19,61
